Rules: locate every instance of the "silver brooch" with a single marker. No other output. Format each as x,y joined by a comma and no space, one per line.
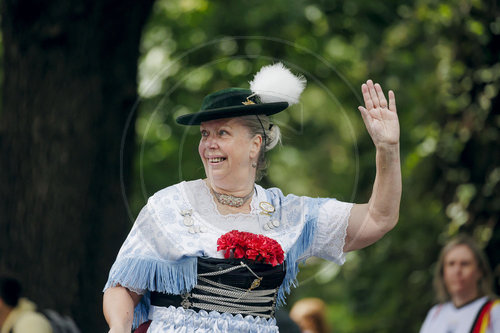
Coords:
268,209
271,225
188,221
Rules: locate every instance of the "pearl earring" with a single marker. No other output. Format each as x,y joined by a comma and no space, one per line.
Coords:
254,165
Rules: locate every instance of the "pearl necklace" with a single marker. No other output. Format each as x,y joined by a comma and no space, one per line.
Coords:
231,200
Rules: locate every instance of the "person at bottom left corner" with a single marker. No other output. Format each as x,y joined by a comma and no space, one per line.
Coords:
19,315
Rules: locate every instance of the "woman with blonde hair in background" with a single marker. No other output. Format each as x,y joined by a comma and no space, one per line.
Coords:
463,285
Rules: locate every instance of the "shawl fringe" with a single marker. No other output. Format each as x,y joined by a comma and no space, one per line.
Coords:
170,277
292,258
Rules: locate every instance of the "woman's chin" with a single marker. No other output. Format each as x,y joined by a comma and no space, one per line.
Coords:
215,174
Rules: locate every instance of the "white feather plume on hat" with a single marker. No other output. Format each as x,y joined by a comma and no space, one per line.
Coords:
276,83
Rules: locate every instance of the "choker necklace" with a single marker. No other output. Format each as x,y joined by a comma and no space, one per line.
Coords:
231,200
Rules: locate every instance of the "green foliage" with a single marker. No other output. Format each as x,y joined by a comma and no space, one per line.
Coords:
441,59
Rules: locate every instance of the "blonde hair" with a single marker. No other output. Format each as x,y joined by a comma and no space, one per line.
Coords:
270,133
485,283
310,315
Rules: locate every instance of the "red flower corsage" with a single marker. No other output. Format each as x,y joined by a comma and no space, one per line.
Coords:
246,245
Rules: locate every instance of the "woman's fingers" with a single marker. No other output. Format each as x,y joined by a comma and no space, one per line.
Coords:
366,96
374,97
364,115
392,101
373,94
381,97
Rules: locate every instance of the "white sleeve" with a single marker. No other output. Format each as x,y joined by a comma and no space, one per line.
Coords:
331,230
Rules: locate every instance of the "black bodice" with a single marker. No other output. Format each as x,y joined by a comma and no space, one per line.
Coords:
245,277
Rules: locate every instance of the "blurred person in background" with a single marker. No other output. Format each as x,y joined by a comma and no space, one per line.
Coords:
310,315
18,315
463,286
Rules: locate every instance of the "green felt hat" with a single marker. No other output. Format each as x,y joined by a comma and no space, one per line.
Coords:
229,103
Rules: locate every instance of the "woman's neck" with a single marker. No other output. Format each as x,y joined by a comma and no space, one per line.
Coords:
240,190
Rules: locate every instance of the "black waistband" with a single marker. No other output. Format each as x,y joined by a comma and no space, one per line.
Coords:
160,299
272,277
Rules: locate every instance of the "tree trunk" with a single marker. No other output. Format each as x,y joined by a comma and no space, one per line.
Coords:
69,87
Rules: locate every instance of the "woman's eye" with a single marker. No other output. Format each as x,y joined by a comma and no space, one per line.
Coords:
204,133
222,132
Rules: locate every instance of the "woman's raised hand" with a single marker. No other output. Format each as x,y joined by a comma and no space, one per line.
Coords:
369,222
380,118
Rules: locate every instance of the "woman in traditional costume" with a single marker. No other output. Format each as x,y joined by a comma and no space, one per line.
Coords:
219,254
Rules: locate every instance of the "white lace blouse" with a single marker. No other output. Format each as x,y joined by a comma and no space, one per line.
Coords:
181,223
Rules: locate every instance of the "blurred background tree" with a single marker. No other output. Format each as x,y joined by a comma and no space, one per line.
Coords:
440,57
68,85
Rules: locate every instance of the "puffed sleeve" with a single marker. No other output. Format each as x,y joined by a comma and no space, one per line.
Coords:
311,227
330,232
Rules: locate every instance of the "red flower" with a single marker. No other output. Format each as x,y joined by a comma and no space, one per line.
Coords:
246,245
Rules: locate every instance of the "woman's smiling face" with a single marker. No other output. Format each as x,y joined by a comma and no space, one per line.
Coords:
227,151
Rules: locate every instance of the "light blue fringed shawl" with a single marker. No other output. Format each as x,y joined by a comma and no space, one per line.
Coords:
145,275
160,254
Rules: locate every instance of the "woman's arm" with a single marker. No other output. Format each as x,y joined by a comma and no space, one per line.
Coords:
369,222
118,305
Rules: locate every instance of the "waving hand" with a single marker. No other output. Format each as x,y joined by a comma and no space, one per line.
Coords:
369,222
380,118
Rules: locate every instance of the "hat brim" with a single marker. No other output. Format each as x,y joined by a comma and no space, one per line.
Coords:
231,112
